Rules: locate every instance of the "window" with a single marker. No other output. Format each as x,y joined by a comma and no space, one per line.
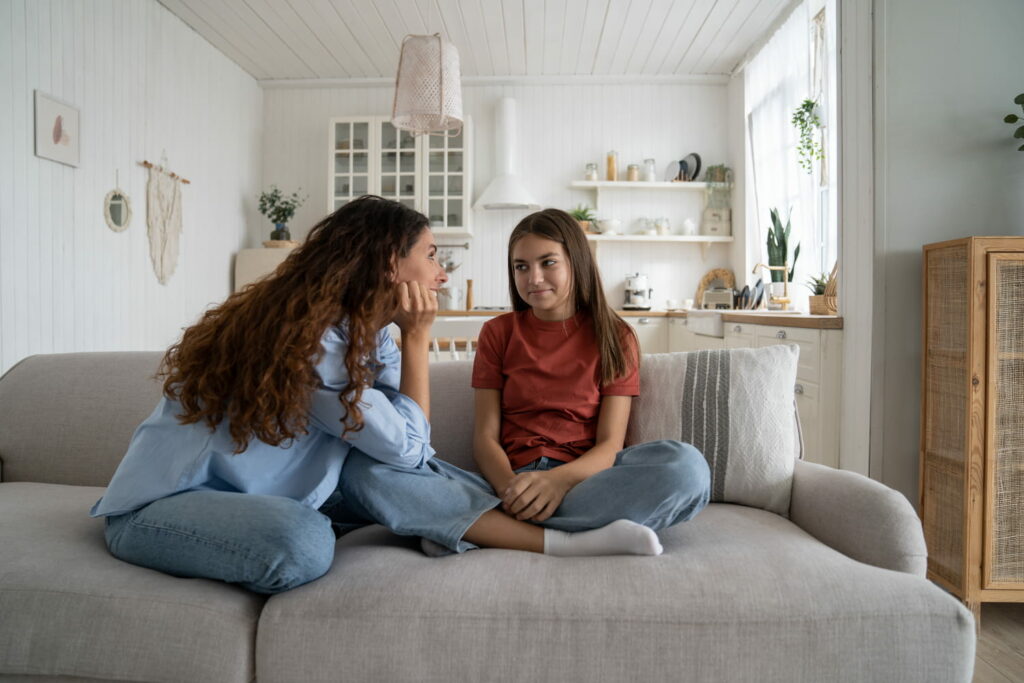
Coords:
797,63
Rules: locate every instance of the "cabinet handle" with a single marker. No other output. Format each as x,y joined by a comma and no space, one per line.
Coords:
737,329
781,334
643,321
799,388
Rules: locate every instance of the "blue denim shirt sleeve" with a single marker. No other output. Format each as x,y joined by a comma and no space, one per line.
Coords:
395,430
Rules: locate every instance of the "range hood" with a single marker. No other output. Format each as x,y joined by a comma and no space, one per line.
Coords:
506,191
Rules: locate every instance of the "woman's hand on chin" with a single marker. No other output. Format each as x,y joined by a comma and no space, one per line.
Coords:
417,308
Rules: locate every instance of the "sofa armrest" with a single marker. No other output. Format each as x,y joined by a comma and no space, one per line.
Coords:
861,518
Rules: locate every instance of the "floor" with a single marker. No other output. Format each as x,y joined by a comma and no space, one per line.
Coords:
1001,644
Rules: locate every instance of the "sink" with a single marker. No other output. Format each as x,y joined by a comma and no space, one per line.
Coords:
710,324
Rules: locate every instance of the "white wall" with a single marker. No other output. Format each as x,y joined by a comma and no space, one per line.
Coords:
561,128
946,167
143,82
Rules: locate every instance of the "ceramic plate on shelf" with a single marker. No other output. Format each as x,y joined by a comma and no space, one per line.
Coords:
672,170
692,162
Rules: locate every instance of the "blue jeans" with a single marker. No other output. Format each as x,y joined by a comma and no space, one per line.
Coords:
270,544
267,544
658,484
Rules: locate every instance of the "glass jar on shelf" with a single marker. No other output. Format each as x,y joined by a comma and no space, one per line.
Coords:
612,171
632,173
591,173
650,174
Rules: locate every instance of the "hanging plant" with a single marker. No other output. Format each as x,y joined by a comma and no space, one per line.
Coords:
1013,118
807,122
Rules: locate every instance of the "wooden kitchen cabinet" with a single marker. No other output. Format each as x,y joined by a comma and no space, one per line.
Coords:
651,332
429,173
681,338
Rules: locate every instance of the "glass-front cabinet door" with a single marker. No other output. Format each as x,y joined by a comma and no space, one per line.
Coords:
350,161
429,173
446,186
398,164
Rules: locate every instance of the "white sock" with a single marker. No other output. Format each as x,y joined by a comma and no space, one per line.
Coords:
621,537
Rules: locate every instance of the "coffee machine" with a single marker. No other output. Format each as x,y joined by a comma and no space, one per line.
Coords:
638,294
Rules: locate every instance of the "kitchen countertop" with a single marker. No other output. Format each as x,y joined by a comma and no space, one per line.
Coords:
820,322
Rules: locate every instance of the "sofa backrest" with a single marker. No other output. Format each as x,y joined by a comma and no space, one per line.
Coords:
451,412
68,418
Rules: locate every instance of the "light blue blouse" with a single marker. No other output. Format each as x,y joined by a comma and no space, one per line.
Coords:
166,457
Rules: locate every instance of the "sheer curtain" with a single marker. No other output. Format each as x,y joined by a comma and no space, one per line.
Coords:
776,81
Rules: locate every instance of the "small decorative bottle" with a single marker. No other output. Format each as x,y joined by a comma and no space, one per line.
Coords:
613,166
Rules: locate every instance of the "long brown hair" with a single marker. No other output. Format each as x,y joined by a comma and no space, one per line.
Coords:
251,360
610,330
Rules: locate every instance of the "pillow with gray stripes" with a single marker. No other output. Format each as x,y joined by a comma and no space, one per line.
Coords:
737,407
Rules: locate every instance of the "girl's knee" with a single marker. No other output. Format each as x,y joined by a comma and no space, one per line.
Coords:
689,467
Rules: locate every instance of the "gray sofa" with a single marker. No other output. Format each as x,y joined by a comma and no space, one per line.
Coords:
835,593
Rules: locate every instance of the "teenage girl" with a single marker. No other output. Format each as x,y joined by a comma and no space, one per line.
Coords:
288,410
554,382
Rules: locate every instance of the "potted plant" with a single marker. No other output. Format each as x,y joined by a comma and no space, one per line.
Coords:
584,215
1013,118
807,121
778,248
816,302
280,209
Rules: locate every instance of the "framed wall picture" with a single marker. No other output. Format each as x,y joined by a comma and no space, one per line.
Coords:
57,130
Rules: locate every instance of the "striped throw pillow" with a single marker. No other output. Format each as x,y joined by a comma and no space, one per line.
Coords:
737,406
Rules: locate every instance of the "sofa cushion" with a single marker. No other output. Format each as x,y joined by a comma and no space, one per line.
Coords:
737,407
740,594
69,608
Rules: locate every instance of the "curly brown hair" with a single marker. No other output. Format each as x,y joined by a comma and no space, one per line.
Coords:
612,332
251,360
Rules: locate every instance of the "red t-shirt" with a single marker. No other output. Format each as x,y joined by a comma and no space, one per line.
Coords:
550,380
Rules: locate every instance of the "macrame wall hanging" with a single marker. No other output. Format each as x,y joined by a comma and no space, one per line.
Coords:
163,218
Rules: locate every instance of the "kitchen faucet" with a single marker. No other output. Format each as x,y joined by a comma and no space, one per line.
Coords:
783,300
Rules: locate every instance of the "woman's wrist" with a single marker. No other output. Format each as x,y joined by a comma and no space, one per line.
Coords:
416,337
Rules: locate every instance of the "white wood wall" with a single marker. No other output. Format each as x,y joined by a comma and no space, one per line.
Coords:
143,82
560,128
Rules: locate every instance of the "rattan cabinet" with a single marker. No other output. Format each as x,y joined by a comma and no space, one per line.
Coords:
972,418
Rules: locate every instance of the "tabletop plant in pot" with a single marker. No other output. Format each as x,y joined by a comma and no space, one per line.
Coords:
816,302
280,209
778,254
584,215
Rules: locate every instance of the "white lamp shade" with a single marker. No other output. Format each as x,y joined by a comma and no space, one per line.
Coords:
428,91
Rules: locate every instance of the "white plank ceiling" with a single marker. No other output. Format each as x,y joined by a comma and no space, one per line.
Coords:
358,39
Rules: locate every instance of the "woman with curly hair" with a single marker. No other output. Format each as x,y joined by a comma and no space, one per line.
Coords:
288,416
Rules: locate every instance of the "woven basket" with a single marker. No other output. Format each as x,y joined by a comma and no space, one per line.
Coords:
822,305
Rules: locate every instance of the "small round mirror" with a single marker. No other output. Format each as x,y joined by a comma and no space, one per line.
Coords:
117,209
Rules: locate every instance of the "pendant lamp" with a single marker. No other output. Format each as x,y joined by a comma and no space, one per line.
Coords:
428,93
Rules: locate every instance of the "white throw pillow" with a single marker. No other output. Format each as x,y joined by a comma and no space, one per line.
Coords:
737,407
